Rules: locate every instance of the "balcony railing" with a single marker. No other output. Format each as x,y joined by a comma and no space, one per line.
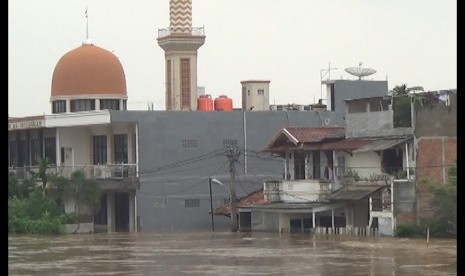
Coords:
108,171
194,31
310,190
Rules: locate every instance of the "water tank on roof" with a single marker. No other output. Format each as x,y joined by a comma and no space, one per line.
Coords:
205,103
223,103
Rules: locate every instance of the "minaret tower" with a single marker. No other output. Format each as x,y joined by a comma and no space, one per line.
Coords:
180,42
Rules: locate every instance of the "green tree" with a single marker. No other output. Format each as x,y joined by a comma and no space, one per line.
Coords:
445,204
21,188
78,188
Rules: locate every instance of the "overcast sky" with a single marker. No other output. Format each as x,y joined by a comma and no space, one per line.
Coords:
287,42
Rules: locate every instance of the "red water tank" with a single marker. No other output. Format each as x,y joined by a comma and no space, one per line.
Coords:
223,103
205,103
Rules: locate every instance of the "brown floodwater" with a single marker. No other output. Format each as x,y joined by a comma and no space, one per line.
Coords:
226,253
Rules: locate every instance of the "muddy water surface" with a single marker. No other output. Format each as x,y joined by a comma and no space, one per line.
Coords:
227,254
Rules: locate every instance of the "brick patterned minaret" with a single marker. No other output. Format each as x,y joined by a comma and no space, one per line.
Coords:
180,42
181,16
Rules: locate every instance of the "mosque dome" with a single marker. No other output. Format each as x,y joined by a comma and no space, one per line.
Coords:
88,70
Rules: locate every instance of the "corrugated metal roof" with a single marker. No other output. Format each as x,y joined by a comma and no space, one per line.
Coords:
355,191
346,144
381,144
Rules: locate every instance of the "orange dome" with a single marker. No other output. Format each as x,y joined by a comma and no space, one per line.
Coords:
88,70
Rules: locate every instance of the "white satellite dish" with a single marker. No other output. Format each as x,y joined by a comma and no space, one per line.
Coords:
360,71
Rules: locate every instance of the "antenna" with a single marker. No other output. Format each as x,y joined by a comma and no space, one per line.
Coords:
360,71
326,71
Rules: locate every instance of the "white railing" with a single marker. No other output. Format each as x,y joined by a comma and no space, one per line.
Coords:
194,31
107,171
309,190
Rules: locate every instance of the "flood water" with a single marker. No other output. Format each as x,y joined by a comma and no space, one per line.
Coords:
228,253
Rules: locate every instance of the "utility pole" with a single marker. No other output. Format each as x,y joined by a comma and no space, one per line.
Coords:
211,203
233,154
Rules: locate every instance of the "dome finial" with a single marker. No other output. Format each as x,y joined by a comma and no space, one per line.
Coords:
87,41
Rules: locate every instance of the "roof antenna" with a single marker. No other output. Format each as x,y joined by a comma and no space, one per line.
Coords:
88,41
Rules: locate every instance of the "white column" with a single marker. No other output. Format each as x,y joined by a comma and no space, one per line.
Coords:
332,219
57,147
291,165
110,211
97,104
406,160
313,219
68,106
286,167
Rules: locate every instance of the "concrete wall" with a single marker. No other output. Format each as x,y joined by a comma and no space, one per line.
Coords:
404,196
385,226
165,176
366,164
440,120
373,124
258,102
354,89
79,139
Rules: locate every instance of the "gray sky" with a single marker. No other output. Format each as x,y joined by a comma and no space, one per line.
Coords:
286,42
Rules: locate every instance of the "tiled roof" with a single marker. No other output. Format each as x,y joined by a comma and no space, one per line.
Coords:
304,138
315,134
253,198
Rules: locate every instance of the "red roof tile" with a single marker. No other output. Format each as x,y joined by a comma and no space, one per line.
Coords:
253,198
315,134
303,138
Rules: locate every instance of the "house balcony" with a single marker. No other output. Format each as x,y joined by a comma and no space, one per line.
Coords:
109,176
296,191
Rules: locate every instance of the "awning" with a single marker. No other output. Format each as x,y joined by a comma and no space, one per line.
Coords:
381,144
354,192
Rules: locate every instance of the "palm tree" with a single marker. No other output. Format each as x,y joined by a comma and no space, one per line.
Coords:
42,174
79,188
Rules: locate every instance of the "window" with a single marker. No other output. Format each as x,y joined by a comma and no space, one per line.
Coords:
248,92
12,154
227,143
35,151
59,106
100,149
190,203
189,143
50,150
22,153
125,104
121,148
185,83
82,105
109,104
299,166
261,91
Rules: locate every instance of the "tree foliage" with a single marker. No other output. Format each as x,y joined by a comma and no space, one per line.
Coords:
444,201
31,211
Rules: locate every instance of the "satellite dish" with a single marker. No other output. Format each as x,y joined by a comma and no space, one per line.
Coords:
360,71
327,121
